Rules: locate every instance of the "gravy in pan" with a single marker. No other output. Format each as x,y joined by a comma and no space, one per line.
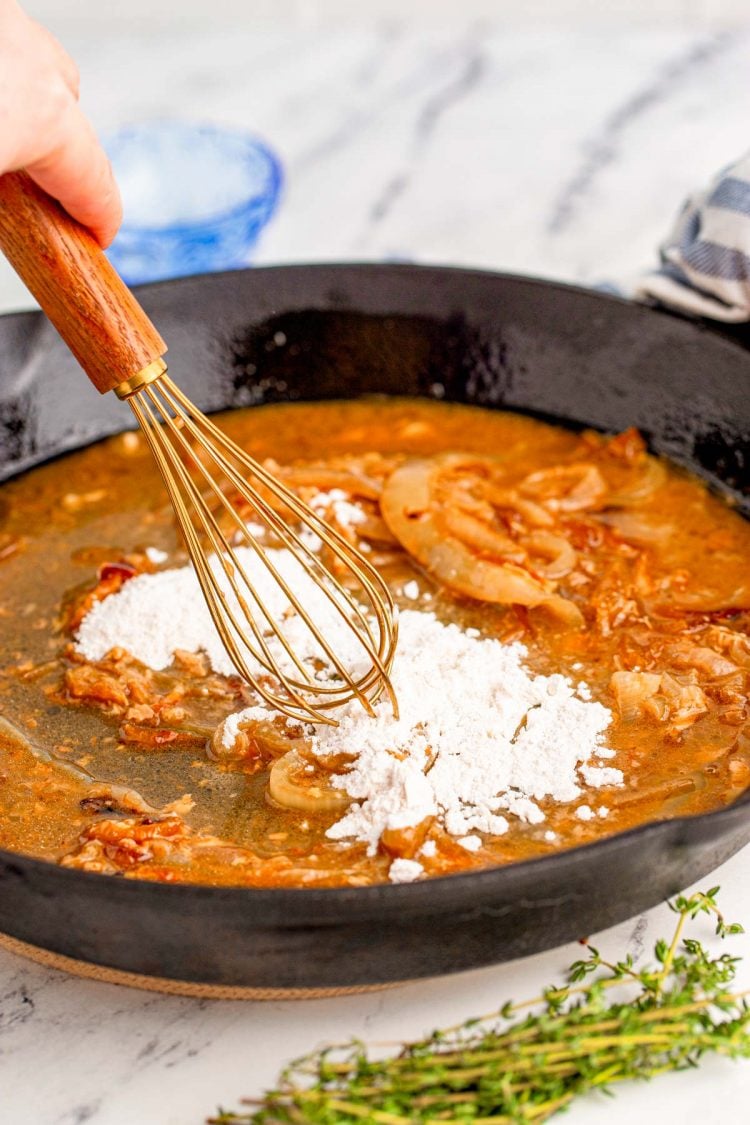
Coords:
633,579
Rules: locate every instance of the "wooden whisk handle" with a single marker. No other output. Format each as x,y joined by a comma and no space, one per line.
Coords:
82,294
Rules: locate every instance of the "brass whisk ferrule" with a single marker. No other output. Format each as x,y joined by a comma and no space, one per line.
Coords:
141,379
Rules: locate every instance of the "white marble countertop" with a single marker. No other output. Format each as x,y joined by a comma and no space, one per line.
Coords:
557,152
562,153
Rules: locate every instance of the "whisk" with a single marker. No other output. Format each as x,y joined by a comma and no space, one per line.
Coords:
212,483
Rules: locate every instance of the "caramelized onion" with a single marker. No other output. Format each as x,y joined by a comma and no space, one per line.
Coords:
412,514
687,702
292,784
638,527
703,659
559,555
256,740
482,536
652,476
562,611
325,479
375,530
567,488
730,642
510,499
707,600
416,506
632,690
450,560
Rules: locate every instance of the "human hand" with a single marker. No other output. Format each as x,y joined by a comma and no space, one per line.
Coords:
43,129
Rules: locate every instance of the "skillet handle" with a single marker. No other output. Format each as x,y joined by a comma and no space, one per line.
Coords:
82,294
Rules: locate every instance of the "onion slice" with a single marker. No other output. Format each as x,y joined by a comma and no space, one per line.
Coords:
653,476
294,786
566,488
415,505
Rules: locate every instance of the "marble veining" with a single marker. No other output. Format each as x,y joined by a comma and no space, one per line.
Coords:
563,153
603,148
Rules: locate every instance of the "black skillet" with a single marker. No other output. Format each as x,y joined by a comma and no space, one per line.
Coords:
316,332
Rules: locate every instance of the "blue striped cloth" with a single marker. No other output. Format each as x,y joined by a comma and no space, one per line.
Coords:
705,261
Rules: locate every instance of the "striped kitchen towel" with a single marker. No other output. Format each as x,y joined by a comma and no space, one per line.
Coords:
705,261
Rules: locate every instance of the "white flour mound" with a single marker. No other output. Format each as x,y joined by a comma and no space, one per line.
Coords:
154,614
479,737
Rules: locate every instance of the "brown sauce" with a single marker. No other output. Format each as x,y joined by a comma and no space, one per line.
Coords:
645,597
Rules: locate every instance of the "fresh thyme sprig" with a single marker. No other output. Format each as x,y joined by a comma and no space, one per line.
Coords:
507,1069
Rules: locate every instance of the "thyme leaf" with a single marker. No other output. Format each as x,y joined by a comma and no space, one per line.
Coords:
608,1023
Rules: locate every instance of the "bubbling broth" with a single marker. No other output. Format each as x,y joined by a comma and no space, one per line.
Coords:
574,656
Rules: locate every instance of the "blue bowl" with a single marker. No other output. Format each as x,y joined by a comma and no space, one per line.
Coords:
195,198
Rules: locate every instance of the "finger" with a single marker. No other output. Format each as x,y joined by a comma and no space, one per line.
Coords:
68,69
79,175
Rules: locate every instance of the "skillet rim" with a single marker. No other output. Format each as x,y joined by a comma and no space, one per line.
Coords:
418,895
729,333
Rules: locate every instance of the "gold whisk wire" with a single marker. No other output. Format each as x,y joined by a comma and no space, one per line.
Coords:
179,437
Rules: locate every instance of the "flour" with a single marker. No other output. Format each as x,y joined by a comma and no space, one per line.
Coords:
405,870
232,727
600,775
155,614
480,740
337,502
154,555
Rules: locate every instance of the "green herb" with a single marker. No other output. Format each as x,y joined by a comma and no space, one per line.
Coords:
609,1023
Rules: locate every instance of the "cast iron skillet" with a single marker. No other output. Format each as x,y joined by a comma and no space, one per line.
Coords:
318,332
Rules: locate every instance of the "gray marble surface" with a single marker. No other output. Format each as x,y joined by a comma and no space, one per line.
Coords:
559,153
